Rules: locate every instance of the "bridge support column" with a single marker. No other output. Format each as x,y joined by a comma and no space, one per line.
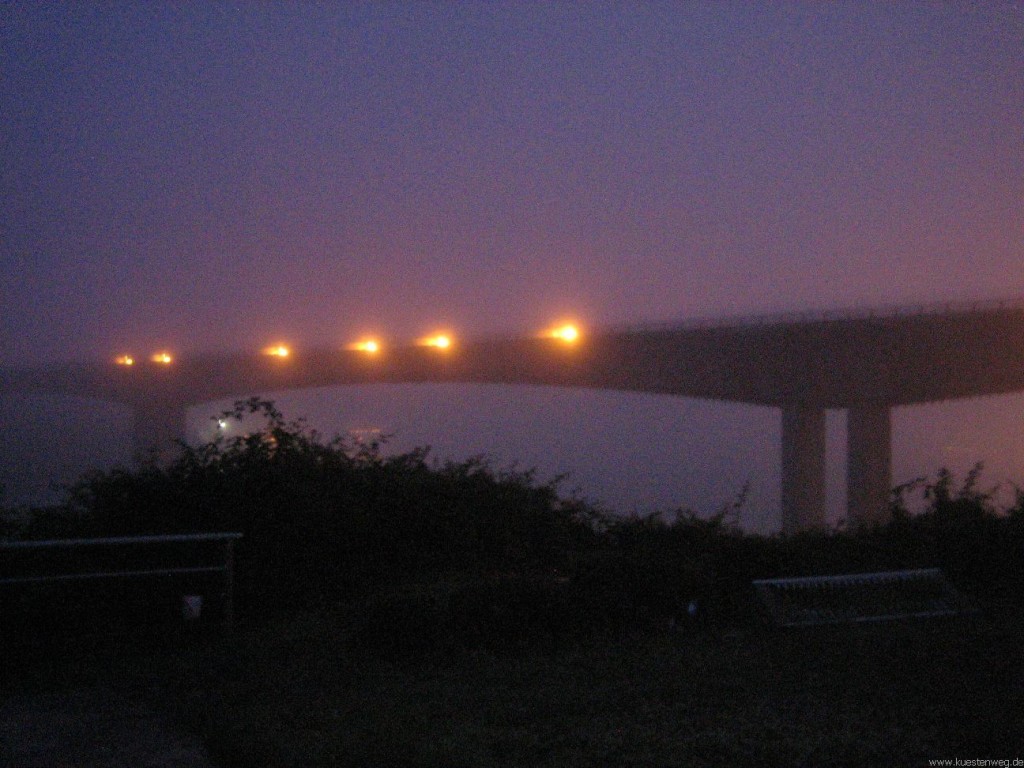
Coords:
157,424
803,468
869,464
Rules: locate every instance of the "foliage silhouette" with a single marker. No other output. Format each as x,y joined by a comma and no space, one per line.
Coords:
325,521
479,556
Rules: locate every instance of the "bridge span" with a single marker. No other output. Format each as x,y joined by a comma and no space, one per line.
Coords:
865,364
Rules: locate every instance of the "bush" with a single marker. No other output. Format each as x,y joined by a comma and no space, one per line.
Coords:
324,521
328,523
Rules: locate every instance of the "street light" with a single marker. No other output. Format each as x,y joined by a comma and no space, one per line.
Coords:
369,346
438,341
278,350
568,333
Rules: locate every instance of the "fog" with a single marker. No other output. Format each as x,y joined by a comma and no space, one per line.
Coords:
628,453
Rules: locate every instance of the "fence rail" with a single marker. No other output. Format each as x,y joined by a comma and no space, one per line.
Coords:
224,566
118,540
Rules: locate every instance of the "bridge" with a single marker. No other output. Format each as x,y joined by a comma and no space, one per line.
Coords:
864,362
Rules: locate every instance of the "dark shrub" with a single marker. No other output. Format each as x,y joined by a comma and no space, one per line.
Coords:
513,613
405,623
325,522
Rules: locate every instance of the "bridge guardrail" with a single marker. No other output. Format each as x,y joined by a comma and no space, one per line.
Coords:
822,315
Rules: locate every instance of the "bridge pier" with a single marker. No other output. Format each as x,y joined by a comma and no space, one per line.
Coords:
803,468
868,470
868,464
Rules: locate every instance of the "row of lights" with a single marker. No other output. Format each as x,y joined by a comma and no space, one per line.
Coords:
163,358
564,333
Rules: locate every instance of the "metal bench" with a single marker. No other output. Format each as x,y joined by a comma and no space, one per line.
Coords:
860,597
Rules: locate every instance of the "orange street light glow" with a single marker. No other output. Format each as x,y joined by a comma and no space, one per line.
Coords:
163,358
125,360
440,341
370,346
566,333
279,350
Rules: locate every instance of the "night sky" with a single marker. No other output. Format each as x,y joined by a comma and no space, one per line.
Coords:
225,175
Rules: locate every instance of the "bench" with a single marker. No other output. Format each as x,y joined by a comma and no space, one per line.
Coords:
860,597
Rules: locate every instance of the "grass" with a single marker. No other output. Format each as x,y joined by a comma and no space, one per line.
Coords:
296,692
893,694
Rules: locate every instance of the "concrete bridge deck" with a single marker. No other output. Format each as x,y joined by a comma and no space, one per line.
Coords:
865,363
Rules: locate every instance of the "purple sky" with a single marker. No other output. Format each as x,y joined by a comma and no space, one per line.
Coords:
203,175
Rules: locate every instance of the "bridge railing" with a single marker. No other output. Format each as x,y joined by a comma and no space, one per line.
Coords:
825,315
